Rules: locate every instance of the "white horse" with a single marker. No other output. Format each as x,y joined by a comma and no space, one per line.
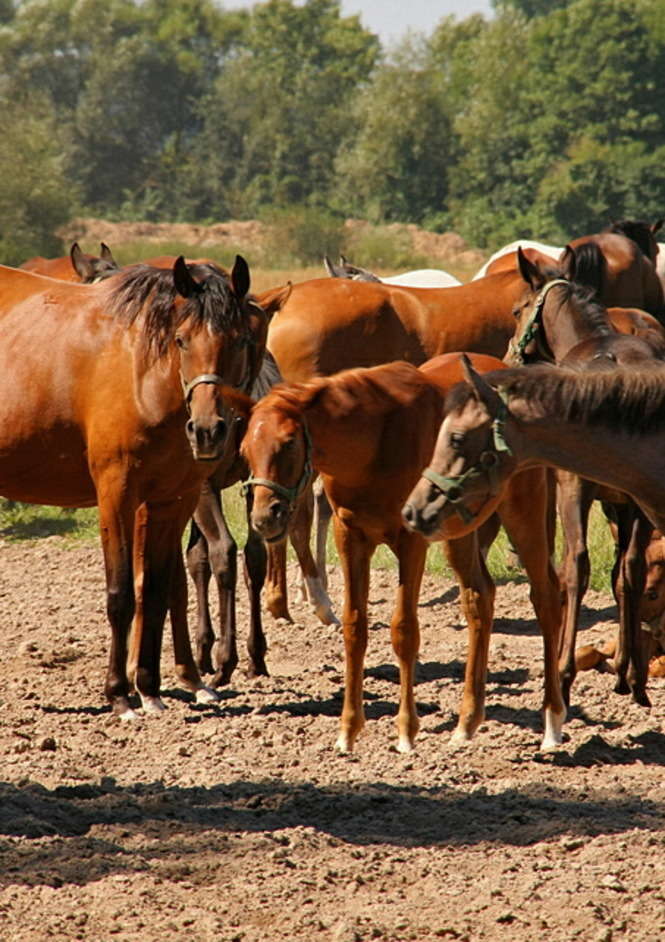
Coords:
554,251
419,278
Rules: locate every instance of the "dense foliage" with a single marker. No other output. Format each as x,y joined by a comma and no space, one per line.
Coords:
543,121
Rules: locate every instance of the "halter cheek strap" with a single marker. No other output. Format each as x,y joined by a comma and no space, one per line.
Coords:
487,466
517,348
291,494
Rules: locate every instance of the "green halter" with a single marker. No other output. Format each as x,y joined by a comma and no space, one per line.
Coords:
453,487
532,330
291,494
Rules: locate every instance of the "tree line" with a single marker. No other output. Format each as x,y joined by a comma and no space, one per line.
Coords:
543,121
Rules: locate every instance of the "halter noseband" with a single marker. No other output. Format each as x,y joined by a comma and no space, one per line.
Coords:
487,466
291,494
532,331
189,387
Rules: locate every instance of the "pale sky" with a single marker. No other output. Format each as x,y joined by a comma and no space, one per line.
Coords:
390,19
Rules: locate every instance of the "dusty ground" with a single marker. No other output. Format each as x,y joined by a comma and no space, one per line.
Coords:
239,822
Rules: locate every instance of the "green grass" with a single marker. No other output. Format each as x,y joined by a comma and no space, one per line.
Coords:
32,522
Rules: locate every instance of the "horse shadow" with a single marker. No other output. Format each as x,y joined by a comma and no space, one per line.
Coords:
177,818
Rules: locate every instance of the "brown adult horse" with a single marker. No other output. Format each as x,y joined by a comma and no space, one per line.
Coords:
607,426
370,432
77,266
559,321
98,383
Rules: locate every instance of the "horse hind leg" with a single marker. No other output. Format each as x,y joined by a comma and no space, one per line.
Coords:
186,669
198,565
322,517
632,658
254,570
299,533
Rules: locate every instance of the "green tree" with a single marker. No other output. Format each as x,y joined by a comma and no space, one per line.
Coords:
280,108
396,165
36,196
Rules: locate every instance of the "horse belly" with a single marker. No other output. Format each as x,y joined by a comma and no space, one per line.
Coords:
47,468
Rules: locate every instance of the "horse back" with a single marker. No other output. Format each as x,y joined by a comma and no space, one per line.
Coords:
327,325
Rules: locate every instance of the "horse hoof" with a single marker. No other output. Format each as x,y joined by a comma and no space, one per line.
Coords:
460,737
640,698
326,616
257,670
621,687
207,695
128,715
343,744
404,744
152,706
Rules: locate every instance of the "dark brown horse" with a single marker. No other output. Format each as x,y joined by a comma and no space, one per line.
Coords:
607,426
370,432
559,321
77,266
111,397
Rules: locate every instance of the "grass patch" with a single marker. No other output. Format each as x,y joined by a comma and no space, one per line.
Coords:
30,522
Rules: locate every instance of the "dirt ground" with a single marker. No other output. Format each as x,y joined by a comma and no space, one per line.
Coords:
240,822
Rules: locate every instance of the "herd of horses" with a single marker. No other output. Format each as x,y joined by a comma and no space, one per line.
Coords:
426,413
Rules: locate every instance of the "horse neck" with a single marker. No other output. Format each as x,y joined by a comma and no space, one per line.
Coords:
634,464
566,326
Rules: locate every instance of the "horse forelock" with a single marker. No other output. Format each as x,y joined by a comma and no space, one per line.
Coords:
148,295
632,398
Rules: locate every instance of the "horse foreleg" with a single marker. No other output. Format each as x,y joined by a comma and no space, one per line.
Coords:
216,656
524,514
632,657
355,552
411,551
477,600
254,570
575,499
116,524
299,533
276,592
157,533
185,666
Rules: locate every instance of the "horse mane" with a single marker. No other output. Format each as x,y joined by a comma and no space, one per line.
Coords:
141,292
590,266
375,391
633,399
585,298
637,230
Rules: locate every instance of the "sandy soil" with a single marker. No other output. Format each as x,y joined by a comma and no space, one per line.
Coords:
239,821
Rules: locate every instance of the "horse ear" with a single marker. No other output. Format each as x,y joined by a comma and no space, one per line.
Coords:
657,225
182,279
568,263
274,300
484,392
106,254
342,260
528,270
240,277
80,263
329,267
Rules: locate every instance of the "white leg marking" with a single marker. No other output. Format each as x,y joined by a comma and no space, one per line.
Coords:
320,602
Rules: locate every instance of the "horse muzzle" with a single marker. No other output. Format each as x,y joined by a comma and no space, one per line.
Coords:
271,520
207,439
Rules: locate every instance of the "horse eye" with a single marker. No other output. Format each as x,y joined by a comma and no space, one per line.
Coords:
179,342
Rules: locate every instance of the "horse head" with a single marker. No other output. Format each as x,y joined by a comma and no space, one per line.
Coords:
220,334
471,464
277,448
93,268
346,270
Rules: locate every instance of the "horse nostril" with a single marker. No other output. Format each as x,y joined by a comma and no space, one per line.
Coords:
189,428
276,510
407,513
219,430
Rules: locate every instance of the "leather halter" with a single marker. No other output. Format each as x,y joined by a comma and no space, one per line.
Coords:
533,328
291,494
452,487
189,387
